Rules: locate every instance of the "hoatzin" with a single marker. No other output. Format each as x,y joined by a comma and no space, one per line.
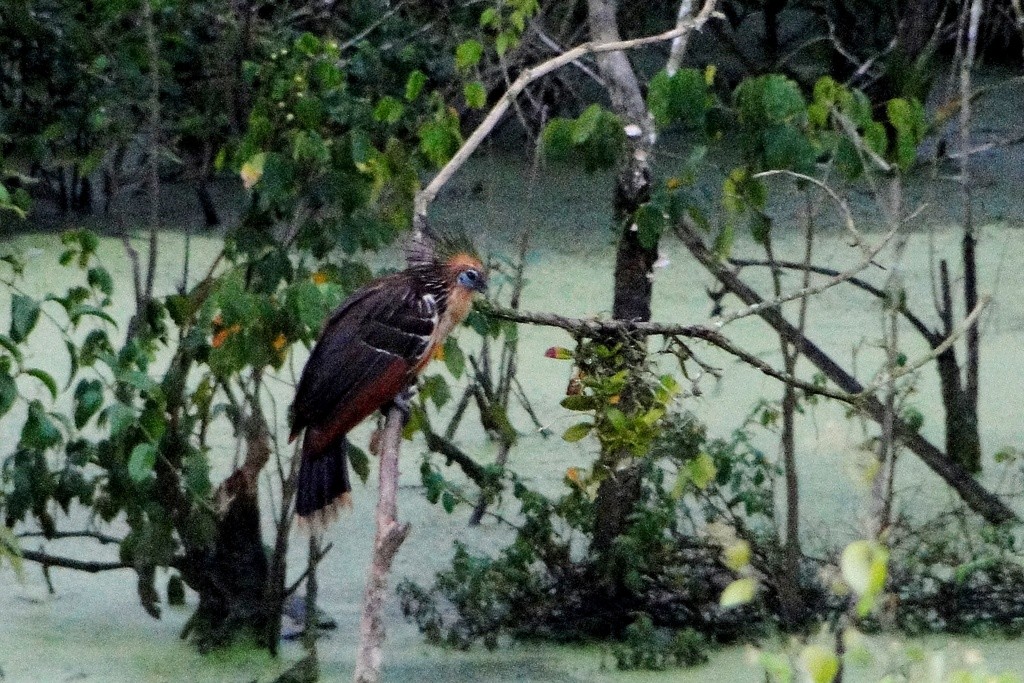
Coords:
369,354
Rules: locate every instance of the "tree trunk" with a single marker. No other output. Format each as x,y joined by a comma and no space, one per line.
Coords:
617,495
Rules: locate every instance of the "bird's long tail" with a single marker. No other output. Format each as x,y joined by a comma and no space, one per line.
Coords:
323,486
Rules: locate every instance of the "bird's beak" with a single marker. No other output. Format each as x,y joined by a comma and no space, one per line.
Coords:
481,286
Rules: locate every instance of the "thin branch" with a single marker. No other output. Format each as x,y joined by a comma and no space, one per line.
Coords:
553,44
154,145
962,329
591,327
929,335
844,208
425,196
371,28
839,278
99,536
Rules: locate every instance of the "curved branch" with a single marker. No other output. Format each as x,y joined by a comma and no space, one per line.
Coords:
591,327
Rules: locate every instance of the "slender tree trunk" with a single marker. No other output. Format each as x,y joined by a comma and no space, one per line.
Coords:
970,238
389,537
618,494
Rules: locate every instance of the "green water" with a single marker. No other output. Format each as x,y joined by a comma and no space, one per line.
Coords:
94,630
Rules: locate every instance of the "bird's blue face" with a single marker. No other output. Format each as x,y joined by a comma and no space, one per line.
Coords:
473,279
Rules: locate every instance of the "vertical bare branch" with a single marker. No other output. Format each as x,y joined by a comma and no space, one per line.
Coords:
154,146
970,238
675,57
389,537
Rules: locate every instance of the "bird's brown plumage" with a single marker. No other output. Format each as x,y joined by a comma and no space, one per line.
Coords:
371,349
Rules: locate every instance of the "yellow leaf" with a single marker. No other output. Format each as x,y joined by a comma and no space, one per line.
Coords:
821,664
252,170
737,555
319,277
739,592
709,74
279,342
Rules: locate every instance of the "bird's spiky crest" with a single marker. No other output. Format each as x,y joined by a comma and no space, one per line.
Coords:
433,250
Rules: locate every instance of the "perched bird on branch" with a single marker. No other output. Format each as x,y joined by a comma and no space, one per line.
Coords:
368,356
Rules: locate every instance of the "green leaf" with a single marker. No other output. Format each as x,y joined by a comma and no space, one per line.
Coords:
650,223
557,139
760,227
100,279
360,462
454,359
8,393
10,549
24,315
12,348
617,419
175,591
505,41
437,390
439,139
579,402
414,85
489,17
120,417
724,240
577,431
46,378
448,501
586,124
739,592
865,566
39,431
468,54
388,110
88,400
141,462
476,96
821,664
782,98
701,470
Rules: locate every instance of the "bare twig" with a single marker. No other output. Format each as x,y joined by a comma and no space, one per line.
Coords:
427,194
354,40
553,44
389,537
933,338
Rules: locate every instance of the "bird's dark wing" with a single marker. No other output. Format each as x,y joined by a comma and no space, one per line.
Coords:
364,355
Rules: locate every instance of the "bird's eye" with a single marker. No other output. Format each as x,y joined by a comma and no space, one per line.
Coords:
469,277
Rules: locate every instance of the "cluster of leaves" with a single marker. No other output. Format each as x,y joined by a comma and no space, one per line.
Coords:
102,452
956,574
774,125
646,647
549,582
594,140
